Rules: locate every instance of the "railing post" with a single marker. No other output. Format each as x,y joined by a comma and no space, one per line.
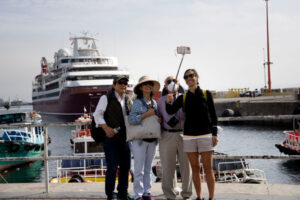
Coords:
46,159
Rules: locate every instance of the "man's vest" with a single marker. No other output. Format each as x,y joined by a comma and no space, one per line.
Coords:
113,115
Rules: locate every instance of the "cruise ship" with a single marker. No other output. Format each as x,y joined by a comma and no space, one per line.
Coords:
73,83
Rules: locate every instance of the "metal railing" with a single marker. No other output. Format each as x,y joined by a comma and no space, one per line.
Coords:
46,158
258,117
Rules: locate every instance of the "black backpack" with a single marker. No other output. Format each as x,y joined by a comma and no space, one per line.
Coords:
97,133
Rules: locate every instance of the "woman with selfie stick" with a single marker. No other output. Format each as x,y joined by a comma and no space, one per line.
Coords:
200,129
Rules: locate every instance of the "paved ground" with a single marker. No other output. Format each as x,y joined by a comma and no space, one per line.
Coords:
96,191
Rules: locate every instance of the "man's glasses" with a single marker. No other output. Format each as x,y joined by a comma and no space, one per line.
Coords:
122,82
148,83
189,76
169,81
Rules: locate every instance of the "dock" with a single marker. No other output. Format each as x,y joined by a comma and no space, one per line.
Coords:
275,108
224,191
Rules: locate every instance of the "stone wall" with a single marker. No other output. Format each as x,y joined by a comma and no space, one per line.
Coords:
258,108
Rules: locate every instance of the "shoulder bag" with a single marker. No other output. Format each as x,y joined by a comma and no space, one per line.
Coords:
149,128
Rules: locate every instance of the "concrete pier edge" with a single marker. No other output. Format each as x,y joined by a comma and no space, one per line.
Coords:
223,191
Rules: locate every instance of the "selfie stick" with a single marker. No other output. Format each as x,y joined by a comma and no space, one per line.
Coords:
181,50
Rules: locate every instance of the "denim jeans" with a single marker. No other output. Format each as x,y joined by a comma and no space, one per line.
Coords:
117,154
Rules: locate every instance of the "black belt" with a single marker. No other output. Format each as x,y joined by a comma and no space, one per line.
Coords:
173,130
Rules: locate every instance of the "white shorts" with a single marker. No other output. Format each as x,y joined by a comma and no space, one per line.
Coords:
201,144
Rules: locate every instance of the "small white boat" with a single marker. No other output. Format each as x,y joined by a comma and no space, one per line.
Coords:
291,144
83,130
88,170
226,171
237,171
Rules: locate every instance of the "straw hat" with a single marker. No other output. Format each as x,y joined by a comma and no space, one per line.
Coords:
144,79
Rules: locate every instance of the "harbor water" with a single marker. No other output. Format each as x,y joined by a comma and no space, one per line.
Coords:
233,140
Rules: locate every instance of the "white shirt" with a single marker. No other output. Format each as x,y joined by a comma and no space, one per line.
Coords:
101,108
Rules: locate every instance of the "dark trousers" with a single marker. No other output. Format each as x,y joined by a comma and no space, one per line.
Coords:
117,154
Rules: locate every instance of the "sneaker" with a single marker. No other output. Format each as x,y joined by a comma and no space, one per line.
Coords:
187,198
114,197
140,198
148,197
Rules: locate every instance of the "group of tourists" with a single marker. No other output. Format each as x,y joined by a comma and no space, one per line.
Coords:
188,125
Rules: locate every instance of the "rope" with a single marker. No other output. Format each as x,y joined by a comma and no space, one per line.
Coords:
3,178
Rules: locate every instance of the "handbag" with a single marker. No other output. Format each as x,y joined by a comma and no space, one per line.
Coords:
149,128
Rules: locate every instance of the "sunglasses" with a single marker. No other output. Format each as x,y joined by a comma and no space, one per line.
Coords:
148,83
189,76
122,82
169,81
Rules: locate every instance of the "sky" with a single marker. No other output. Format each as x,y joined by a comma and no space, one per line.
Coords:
227,39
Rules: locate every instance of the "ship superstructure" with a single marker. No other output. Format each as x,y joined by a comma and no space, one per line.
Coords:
74,81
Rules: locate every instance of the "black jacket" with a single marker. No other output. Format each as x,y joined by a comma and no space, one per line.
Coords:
200,114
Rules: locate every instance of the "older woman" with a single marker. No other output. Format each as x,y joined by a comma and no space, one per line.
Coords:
143,150
200,129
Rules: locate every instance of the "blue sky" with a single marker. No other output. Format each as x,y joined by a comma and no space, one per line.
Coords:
226,38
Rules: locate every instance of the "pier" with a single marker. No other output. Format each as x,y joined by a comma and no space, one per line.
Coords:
263,110
223,191
258,106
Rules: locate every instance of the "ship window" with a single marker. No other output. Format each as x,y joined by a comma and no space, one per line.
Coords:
52,86
93,147
64,60
74,78
46,95
105,61
12,118
77,69
79,147
37,131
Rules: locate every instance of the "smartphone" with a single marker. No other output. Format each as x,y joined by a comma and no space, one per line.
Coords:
183,50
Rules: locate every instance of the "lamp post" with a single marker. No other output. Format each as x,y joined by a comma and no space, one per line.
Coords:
268,48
